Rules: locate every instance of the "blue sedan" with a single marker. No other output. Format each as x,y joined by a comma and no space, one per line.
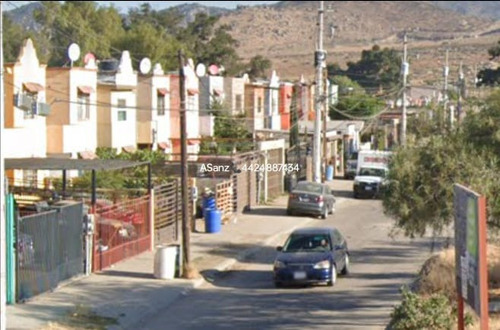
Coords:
311,255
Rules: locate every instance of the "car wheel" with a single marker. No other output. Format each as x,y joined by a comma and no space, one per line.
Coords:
289,212
345,270
355,195
333,279
278,285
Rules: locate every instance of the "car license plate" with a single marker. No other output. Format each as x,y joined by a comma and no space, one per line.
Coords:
368,188
299,276
304,199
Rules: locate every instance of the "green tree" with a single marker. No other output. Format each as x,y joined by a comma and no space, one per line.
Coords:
13,40
377,68
209,44
356,106
421,176
94,28
258,67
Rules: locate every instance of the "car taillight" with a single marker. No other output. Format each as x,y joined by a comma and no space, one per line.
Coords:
319,199
294,196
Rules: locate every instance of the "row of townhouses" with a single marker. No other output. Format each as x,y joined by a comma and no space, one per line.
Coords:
71,111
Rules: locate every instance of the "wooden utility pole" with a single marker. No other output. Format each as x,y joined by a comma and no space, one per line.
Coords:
186,230
405,75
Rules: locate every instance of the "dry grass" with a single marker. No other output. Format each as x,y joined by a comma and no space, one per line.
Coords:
438,275
82,317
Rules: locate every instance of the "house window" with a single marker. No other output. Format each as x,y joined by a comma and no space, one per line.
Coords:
239,103
28,113
160,105
259,104
83,106
122,112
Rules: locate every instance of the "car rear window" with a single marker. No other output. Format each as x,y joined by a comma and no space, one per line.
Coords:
309,187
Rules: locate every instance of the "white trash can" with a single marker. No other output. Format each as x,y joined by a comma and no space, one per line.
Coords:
165,261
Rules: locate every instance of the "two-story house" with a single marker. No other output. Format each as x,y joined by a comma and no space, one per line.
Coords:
117,108
72,123
153,115
271,112
285,103
191,95
25,111
254,105
234,92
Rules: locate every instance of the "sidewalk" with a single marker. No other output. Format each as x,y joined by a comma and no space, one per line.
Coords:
127,293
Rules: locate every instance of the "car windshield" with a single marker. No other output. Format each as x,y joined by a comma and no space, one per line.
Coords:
307,243
372,172
309,187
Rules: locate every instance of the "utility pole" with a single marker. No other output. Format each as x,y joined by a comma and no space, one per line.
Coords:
325,117
405,70
446,71
186,266
319,62
461,91
3,265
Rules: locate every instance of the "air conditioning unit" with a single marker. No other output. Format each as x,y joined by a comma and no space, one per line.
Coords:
23,101
40,109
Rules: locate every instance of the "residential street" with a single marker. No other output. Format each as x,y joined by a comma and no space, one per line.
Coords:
245,297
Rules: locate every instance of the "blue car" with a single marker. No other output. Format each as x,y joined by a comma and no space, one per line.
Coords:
310,256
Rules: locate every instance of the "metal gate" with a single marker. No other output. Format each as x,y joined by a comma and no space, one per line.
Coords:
275,180
49,249
245,184
168,211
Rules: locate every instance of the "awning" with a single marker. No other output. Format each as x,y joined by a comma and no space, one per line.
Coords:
86,89
193,142
218,92
129,149
164,145
163,91
192,91
33,87
87,155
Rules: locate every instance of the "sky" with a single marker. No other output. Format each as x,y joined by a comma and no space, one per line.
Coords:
157,5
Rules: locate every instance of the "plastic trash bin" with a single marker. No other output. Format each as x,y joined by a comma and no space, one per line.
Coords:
329,173
165,262
213,220
208,203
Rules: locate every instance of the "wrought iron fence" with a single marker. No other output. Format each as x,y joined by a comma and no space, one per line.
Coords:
122,231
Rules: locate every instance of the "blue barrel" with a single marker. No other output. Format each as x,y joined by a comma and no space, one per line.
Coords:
329,173
213,220
208,203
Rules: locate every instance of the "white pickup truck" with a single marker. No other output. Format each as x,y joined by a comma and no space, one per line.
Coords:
371,172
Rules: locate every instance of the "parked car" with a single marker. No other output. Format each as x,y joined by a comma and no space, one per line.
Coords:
311,255
311,198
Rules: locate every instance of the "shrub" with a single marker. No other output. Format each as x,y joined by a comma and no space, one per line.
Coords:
417,312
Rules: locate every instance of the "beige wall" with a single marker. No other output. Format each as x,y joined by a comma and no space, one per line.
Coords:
103,116
58,85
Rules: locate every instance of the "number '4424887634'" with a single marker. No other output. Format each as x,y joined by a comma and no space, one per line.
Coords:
270,167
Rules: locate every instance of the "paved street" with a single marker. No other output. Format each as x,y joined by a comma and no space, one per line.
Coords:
245,297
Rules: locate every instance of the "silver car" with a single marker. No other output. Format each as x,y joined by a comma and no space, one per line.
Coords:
311,198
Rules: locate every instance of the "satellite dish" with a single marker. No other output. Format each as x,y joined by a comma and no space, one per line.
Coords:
145,66
88,58
213,70
74,52
201,70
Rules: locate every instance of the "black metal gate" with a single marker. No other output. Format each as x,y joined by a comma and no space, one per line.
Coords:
49,249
